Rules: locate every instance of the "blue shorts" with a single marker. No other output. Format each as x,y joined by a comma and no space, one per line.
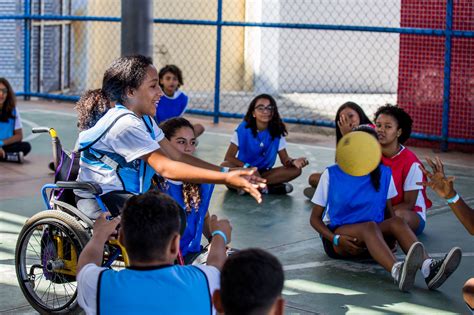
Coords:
421,226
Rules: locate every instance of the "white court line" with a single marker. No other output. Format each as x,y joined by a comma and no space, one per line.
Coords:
45,111
32,124
338,263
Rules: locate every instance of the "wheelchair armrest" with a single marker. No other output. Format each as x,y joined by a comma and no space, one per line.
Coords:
93,188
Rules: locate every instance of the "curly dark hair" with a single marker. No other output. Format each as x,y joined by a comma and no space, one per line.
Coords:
171,69
276,127
10,102
91,107
362,117
149,221
191,192
403,119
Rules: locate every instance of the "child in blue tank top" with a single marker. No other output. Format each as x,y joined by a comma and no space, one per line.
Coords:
174,102
257,142
194,198
354,216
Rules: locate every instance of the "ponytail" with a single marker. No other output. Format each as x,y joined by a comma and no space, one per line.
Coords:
91,107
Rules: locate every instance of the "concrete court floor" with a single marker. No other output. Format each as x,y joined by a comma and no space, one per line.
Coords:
314,282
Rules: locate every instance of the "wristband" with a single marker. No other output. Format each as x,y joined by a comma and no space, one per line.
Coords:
247,165
453,200
225,169
335,239
222,234
1,143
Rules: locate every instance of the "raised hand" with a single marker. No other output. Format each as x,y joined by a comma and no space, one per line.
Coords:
437,180
345,125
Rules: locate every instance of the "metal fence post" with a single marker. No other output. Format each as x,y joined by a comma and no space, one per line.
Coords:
447,76
217,84
27,50
137,28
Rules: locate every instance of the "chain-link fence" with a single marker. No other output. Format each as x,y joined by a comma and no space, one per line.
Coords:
312,55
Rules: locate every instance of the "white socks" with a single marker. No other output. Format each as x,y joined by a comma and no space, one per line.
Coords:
425,268
396,270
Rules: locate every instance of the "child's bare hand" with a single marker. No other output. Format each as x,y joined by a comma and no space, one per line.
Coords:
351,245
221,225
437,180
345,125
243,179
104,229
300,162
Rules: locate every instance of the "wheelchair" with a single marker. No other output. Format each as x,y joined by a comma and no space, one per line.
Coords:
50,242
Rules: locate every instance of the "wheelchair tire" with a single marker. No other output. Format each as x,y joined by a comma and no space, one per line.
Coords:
46,255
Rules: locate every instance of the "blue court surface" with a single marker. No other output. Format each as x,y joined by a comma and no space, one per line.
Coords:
314,282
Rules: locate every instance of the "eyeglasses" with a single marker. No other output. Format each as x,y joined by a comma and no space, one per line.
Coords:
262,108
4,91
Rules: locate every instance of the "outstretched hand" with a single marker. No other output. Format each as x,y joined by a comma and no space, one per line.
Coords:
437,180
246,180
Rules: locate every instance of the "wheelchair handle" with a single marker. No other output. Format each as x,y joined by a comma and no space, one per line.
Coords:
51,131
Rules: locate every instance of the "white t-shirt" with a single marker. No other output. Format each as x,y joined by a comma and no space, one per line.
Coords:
128,138
415,175
88,277
281,144
321,194
18,124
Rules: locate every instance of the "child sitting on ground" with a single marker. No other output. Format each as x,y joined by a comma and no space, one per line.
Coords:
353,215
393,126
258,140
174,102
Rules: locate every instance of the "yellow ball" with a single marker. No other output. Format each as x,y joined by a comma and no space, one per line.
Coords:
358,153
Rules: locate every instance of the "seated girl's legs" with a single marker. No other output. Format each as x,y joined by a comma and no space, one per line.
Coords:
468,293
281,174
313,179
370,235
198,129
21,146
412,219
397,227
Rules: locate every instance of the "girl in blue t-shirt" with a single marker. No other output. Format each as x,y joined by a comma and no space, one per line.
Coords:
174,102
12,148
257,142
354,216
194,198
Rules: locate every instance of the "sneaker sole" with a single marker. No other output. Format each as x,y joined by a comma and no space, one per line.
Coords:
413,262
450,264
308,192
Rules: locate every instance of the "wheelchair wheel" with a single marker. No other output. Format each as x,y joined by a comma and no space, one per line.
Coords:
46,258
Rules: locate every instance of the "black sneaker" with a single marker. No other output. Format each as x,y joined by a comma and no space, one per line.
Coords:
408,269
308,192
280,189
441,269
16,157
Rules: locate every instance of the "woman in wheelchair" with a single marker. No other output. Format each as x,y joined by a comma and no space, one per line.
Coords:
193,198
125,148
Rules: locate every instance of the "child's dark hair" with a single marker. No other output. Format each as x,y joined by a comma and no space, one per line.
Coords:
276,127
402,117
191,192
174,70
10,102
149,221
362,117
123,74
251,281
91,107
376,173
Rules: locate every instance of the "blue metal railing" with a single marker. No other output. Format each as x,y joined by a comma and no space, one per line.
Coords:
448,33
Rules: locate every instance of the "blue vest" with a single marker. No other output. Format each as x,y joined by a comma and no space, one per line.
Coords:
162,290
259,151
353,199
136,175
7,128
167,108
191,238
